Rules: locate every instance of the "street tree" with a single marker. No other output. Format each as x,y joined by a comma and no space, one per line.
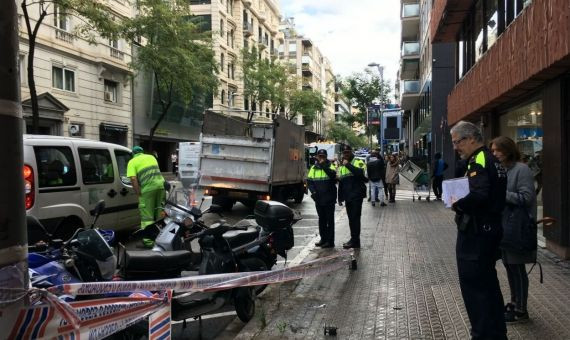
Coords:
362,90
340,132
175,51
94,21
307,103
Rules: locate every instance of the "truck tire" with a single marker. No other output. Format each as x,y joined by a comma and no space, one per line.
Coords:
277,194
226,203
299,194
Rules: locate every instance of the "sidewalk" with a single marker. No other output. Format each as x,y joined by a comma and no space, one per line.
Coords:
406,286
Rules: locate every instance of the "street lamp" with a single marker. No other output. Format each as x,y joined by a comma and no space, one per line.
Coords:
381,113
380,69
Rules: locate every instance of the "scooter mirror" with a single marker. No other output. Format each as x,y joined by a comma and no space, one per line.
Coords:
99,207
196,212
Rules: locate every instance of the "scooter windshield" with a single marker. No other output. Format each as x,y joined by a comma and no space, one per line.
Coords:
92,243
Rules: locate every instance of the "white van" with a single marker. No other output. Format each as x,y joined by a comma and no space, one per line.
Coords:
65,177
189,162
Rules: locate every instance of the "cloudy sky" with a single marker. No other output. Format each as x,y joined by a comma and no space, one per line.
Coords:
351,33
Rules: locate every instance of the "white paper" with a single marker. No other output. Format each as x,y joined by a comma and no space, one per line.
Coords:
454,190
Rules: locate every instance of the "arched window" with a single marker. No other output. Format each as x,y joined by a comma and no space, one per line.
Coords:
223,97
222,62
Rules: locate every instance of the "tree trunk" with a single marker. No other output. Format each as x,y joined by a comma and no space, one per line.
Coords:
165,108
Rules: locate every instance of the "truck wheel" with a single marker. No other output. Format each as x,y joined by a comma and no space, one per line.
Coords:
277,194
299,194
226,203
245,304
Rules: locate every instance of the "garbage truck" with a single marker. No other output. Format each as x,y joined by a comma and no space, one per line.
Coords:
243,160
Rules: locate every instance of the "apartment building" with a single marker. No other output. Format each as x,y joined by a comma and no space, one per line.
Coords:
425,79
307,63
84,90
512,76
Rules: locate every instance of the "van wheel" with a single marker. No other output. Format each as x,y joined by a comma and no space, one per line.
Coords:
245,304
67,227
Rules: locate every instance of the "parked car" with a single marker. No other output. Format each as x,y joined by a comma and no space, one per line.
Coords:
66,177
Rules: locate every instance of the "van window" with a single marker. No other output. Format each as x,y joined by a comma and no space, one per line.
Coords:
123,158
96,166
56,167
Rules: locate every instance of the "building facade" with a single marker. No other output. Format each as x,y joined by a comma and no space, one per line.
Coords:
84,90
512,71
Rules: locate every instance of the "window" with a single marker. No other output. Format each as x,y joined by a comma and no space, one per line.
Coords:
56,167
22,69
60,19
232,92
222,28
96,166
479,31
293,48
63,79
111,91
114,43
123,158
222,62
492,22
77,129
246,104
223,96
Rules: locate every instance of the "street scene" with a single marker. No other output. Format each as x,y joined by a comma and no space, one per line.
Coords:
288,169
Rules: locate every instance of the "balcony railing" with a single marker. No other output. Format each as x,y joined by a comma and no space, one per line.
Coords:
115,53
64,36
247,29
410,10
410,48
410,86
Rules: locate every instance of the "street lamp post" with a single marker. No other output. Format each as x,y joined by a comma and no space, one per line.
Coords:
381,112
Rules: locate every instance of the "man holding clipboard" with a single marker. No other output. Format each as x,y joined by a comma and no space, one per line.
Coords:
478,218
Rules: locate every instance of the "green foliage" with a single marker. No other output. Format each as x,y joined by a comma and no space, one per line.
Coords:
362,90
341,132
307,103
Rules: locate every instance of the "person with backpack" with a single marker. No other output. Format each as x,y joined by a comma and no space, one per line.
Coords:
518,245
376,170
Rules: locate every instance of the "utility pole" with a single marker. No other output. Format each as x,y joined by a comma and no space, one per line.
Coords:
13,236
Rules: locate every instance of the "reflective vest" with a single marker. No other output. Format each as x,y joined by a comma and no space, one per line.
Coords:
344,172
145,169
319,174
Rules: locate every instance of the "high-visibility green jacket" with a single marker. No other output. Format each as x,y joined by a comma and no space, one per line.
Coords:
145,169
352,181
321,181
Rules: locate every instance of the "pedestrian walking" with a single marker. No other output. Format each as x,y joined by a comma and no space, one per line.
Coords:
352,190
521,201
438,168
376,171
478,218
392,176
148,184
174,160
321,181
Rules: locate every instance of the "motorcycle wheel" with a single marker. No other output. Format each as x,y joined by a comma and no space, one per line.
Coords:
254,264
244,304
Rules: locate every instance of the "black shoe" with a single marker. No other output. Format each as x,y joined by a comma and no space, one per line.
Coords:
514,316
373,204
320,243
377,200
351,244
509,307
383,204
327,245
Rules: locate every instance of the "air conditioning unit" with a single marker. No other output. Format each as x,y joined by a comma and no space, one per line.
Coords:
75,130
108,96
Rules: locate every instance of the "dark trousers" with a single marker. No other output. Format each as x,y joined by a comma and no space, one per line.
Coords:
392,192
483,299
326,222
385,187
518,284
437,182
354,210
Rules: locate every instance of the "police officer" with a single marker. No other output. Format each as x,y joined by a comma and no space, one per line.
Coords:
352,190
148,184
322,184
479,233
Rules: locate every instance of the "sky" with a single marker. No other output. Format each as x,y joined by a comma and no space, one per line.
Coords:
351,33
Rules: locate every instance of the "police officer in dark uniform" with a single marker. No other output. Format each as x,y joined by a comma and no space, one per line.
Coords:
352,190
321,181
478,218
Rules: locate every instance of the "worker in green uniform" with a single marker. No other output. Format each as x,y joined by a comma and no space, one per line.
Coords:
148,184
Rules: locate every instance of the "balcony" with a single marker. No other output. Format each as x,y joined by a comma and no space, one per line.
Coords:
410,21
247,29
64,36
306,69
410,62
307,83
263,43
115,53
409,94
411,49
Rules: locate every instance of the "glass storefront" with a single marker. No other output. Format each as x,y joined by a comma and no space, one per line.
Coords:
523,124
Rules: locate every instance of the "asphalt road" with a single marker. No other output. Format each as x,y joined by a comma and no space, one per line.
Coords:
226,325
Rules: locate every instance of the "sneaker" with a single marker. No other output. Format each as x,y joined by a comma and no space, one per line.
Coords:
513,316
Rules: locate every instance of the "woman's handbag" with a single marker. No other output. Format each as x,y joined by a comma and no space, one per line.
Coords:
519,229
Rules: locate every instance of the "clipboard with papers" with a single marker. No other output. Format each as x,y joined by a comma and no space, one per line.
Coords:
454,190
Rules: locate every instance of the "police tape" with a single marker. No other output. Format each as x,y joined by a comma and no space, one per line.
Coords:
51,317
212,282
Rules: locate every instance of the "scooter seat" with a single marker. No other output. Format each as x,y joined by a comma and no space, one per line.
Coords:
156,263
238,238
